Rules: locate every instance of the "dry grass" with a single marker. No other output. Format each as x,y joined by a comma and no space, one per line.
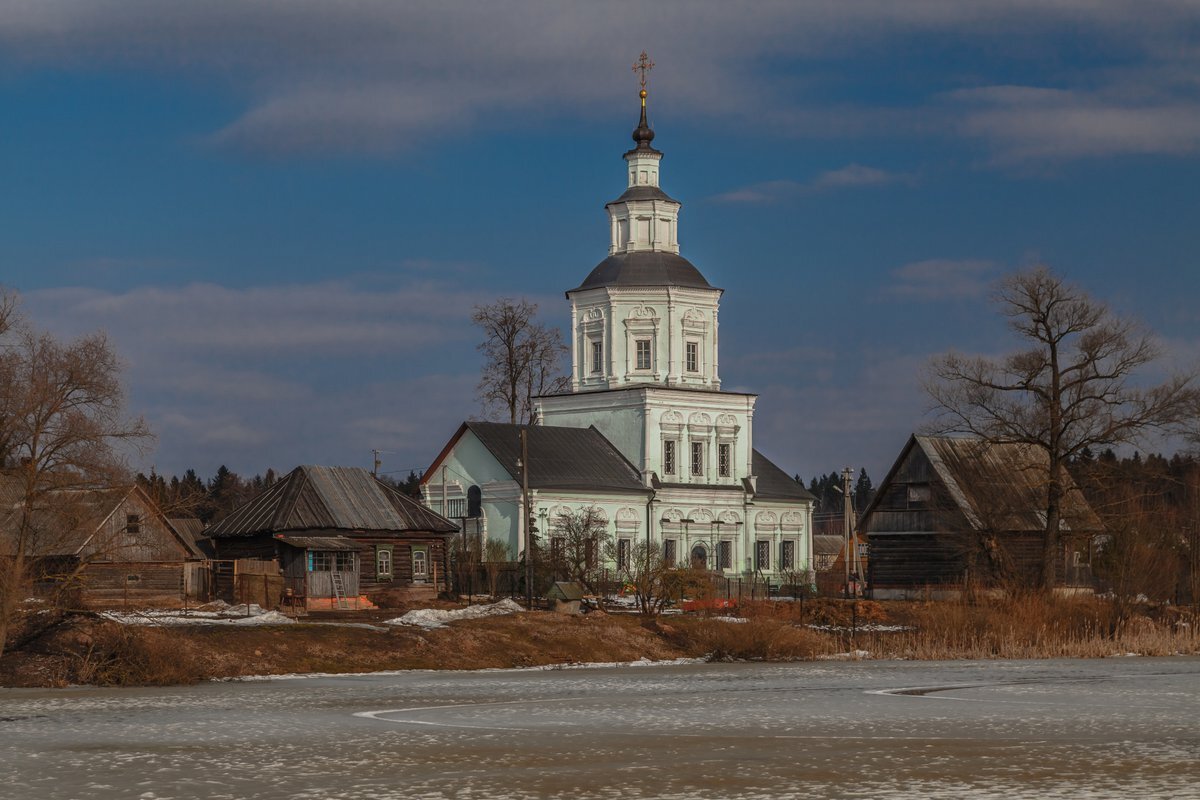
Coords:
89,650
759,639
1028,626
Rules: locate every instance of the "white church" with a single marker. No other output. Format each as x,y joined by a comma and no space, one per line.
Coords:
645,436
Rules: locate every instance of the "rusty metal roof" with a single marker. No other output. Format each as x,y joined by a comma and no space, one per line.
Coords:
1003,486
330,498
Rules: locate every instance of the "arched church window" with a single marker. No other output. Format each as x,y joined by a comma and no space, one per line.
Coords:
474,502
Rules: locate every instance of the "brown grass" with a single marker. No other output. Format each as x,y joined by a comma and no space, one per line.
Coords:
761,638
88,650
1027,626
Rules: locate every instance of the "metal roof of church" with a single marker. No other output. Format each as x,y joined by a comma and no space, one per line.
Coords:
330,498
774,483
560,458
644,268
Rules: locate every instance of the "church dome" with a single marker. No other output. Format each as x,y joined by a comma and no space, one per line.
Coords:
645,268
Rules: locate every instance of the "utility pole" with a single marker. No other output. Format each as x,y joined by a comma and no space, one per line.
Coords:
528,517
378,462
848,521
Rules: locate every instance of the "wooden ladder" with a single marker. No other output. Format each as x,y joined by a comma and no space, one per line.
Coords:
339,590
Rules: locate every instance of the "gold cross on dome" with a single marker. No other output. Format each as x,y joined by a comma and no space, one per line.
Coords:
643,65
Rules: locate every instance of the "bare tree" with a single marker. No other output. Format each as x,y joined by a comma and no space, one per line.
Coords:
495,556
1069,388
653,579
520,358
579,540
63,427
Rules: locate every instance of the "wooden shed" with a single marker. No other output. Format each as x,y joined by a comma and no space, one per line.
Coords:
339,536
566,597
960,512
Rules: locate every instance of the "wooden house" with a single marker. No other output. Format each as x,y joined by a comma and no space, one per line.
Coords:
113,546
955,513
339,536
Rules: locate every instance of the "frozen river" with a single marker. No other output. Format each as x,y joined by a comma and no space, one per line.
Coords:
1034,729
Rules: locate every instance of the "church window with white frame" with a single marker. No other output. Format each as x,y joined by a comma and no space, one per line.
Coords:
643,353
698,459
762,554
669,552
787,554
623,553
597,357
692,357
724,460
669,457
725,555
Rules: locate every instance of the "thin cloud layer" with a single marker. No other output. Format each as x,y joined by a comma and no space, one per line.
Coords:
1022,123
227,375
941,279
380,77
848,177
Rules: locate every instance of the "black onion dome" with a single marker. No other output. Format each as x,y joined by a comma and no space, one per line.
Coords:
645,268
643,134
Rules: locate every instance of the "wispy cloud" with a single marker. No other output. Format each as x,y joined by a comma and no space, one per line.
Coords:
940,279
848,177
1023,123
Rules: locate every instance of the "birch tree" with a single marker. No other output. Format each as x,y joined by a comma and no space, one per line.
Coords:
1071,385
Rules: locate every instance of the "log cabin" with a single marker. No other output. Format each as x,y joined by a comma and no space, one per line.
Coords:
339,536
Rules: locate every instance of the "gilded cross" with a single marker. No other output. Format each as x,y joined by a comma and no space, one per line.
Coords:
643,65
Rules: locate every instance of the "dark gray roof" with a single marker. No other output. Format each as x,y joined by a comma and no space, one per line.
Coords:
774,483
645,268
560,458
565,590
330,498
644,193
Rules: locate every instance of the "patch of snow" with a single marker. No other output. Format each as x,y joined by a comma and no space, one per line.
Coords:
856,655
439,618
295,676
869,627
257,616
730,619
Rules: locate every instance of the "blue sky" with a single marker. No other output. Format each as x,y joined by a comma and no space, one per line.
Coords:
283,212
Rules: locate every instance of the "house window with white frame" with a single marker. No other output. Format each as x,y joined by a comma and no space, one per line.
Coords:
642,347
724,460
383,564
692,357
698,459
668,457
597,357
